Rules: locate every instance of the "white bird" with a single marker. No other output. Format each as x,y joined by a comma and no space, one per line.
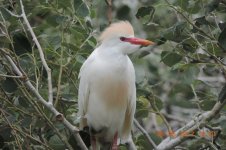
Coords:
107,91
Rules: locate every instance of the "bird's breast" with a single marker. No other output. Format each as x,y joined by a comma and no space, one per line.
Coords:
110,86
114,92
111,81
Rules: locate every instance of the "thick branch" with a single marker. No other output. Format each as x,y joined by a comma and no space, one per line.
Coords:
190,127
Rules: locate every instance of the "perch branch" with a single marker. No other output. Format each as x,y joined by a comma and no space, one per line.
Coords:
190,127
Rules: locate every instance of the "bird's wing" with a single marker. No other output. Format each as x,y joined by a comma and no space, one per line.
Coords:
83,94
131,107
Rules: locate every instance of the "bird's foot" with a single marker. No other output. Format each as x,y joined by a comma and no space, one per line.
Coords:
115,144
115,147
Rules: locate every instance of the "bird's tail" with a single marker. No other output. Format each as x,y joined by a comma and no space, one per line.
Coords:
129,143
130,146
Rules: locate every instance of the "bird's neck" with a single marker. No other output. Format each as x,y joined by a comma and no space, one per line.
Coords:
111,52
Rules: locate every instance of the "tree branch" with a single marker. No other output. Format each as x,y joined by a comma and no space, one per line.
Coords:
145,133
48,70
49,104
191,127
74,130
197,28
12,14
14,133
9,76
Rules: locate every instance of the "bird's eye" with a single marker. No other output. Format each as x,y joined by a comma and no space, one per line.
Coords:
122,38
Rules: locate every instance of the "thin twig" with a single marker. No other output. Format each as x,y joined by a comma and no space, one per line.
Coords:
109,12
39,110
145,133
212,56
14,132
60,72
12,14
32,138
157,111
173,117
9,76
48,70
74,130
197,28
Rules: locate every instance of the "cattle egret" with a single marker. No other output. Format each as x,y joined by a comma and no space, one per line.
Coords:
107,92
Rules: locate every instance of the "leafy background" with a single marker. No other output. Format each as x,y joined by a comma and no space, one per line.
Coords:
176,80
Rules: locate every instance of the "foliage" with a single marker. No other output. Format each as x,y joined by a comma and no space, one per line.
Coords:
176,80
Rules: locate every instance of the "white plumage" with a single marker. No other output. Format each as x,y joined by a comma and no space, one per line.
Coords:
107,92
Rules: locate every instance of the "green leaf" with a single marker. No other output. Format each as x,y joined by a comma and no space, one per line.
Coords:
158,103
143,144
4,41
56,143
222,25
199,143
161,41
188,72
123,13
141,113
64,4
81,9
212,6
222,94
80,59
55,19
5,14
23,102
214,49
70,46
222,39
182,3
201,21
142,107
207,104
170,58
26,122
145,13
6,133
21,44
9,85
189,6
177,33
54,41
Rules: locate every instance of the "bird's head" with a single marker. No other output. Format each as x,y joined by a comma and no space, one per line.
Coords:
120,36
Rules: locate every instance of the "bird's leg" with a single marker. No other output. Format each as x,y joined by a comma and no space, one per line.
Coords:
93,142
114,143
